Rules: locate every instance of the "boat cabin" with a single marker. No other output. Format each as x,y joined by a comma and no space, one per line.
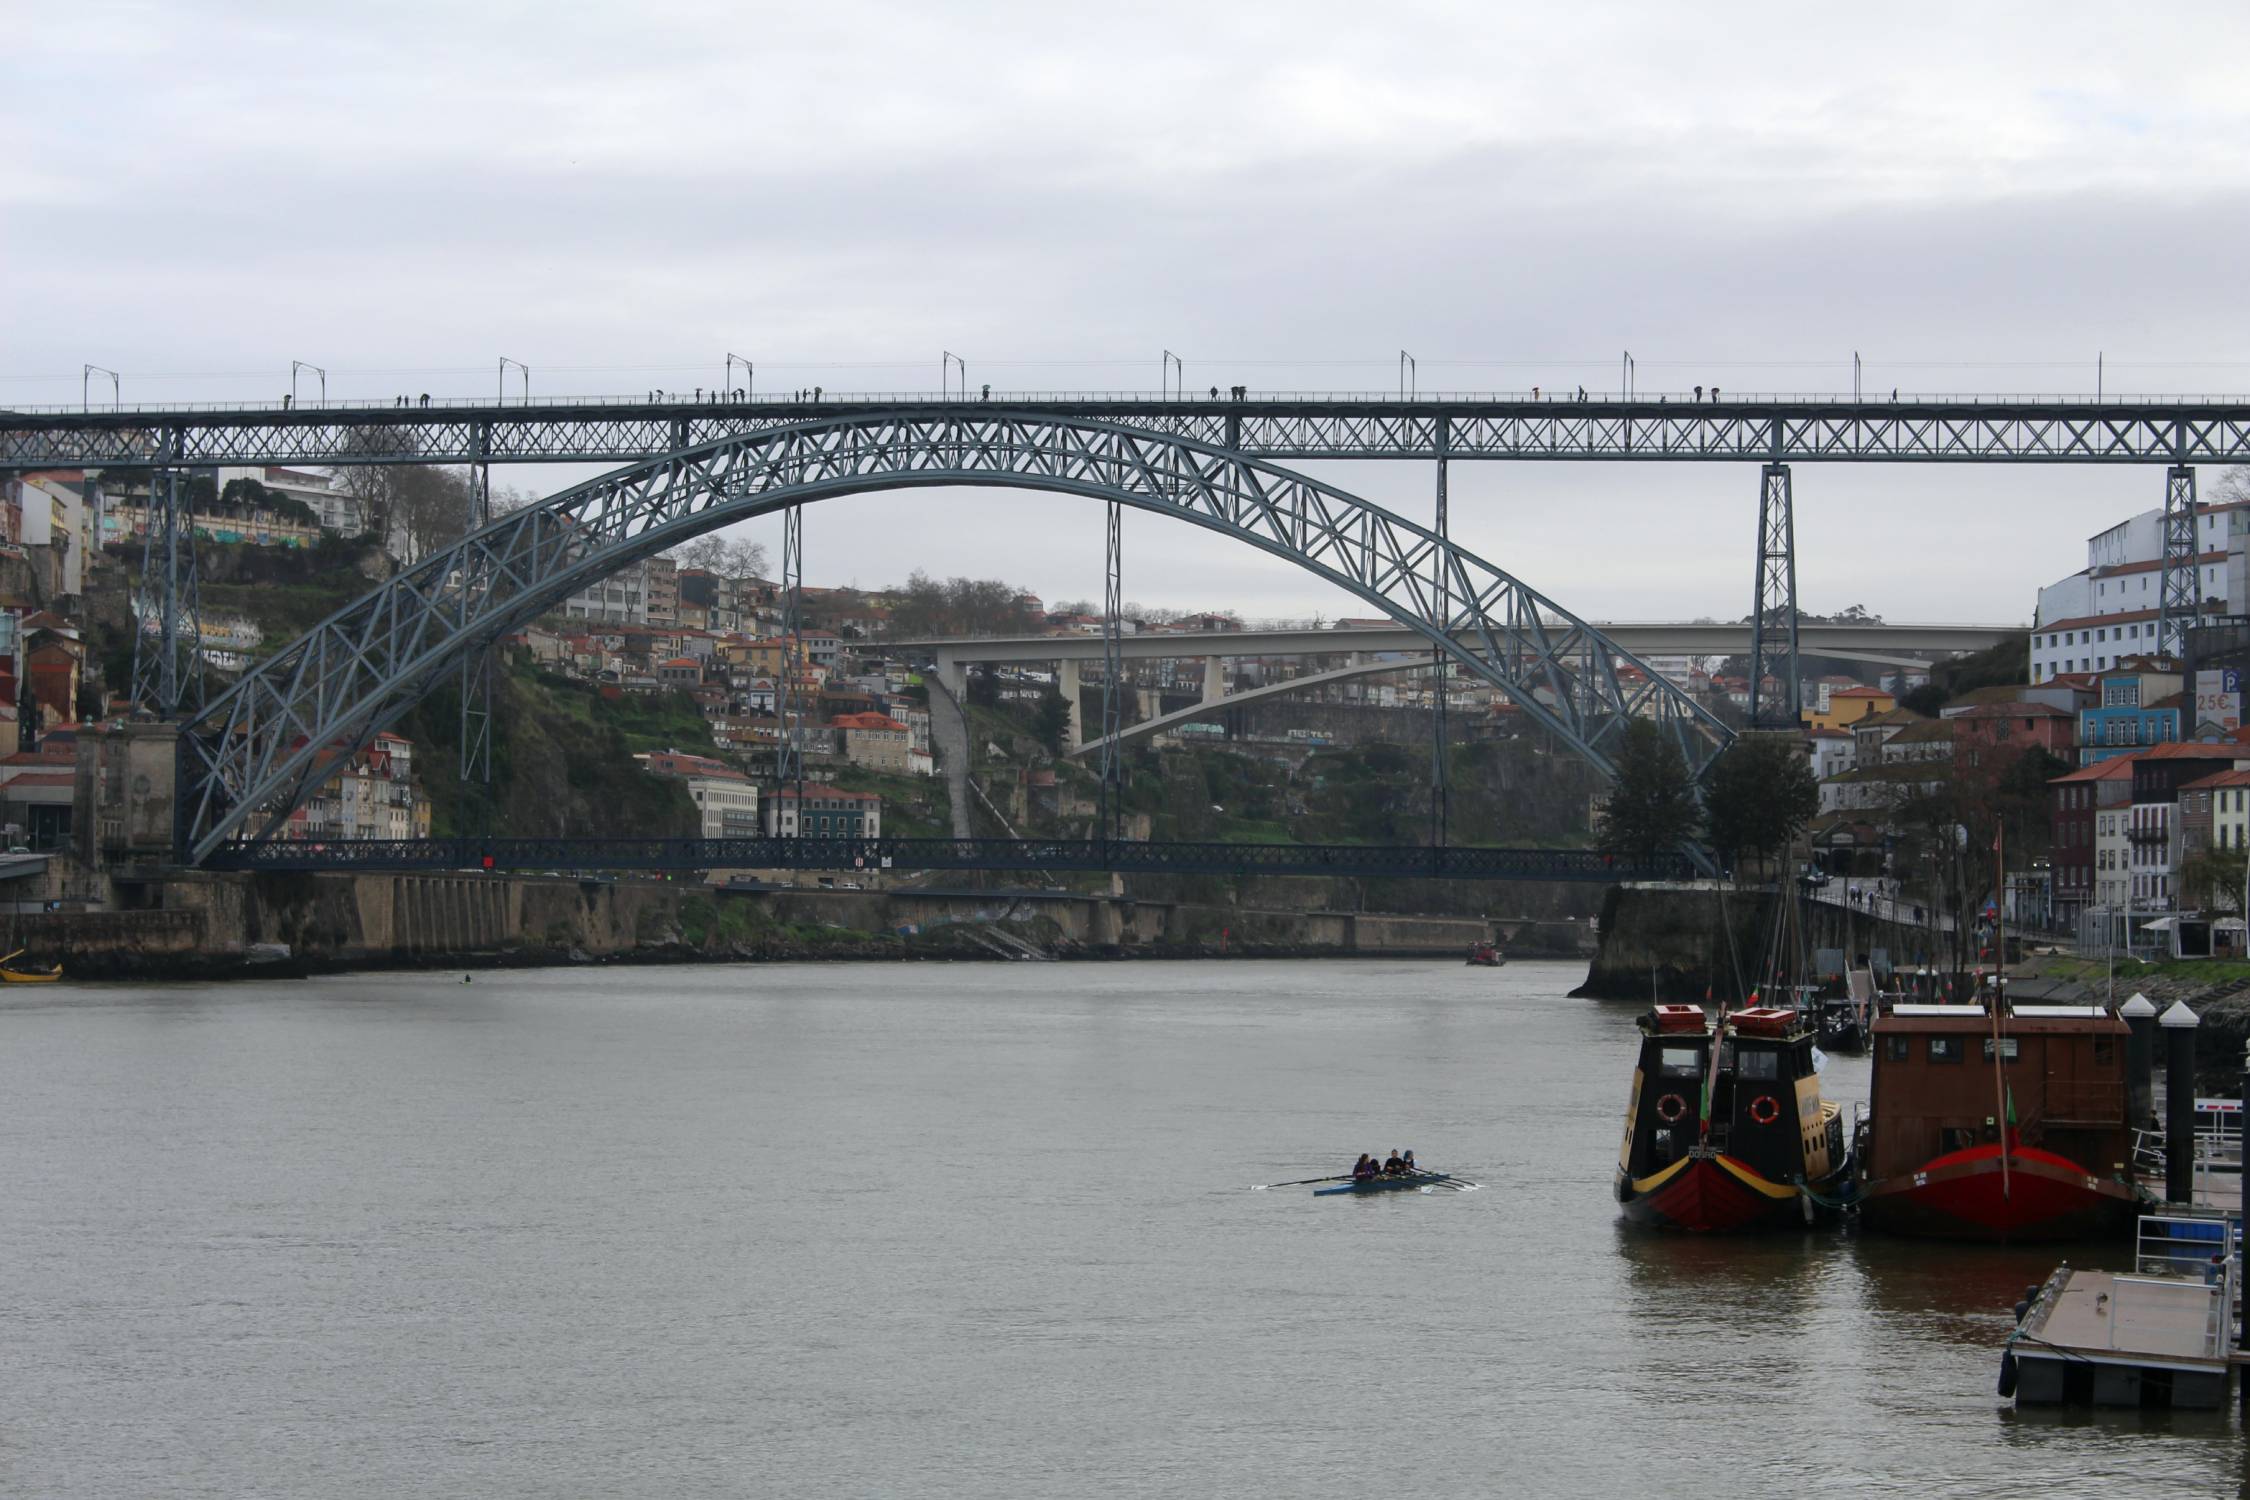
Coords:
1766,1109
2061,1073
1663,1115
1765,1102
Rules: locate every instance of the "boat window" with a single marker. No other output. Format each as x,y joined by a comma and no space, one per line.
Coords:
2105,1050
2007,1048
1894,1049
1758,1065
1945,1049
1682,1062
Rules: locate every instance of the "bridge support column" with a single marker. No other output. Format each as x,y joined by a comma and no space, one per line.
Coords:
2180,594
476,670
1441,616
168,617
1773,616
1214,678
1074,720
1113,673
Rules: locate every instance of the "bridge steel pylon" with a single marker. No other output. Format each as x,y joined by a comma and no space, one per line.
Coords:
2180,591
1112,799
476,668
1441,796
254,752
1773,617
168,675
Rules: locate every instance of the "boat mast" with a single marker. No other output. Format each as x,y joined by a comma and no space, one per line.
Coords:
2000,999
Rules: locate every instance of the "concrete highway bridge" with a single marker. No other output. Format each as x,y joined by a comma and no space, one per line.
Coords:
1377,651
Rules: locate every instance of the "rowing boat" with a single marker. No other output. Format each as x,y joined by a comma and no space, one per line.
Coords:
1386,1184
27,976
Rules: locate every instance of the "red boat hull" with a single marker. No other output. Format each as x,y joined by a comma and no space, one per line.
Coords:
1961,1196
1710,1195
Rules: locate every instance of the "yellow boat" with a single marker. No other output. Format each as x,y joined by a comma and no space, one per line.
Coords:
27,976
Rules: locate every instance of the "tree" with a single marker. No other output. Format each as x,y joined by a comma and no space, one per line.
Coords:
429,509
957,607
2212,879
1052,721
737,559
1651,805
1760,794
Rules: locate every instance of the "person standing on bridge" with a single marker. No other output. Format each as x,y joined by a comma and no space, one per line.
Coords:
1699,395
816,393
986,393
1714,395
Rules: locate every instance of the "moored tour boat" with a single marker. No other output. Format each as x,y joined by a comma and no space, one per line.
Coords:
2033,1146
1726,1128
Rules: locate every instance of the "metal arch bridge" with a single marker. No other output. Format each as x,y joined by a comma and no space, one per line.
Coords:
1757,429
1773,430
256,751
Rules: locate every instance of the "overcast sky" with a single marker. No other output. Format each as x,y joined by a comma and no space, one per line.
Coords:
1974,198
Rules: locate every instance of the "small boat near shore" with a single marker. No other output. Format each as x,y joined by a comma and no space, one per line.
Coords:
10,974
1486,956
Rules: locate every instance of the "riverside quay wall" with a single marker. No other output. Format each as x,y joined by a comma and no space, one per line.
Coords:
1680,941
202,925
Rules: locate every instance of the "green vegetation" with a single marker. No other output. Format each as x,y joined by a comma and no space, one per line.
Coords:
562,759
1759,794
1652,803
2003,665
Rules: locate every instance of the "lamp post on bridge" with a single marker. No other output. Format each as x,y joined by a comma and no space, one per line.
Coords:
947,361
85,383
749,376
526,372
297,364
1173,369
1409,376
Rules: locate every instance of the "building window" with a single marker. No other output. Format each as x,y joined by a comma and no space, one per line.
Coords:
1945,1049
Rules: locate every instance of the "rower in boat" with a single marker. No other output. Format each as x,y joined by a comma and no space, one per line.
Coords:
1364,1169
1393,1165
1408,1163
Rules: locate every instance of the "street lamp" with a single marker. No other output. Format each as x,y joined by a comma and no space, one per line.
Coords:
525,371
947,360
749,375
1172,368
297,364
85,382
1409,375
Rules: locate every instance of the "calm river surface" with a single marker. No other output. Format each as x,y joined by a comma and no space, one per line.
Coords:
975,1230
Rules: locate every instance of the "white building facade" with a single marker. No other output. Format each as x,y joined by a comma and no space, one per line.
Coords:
2110,609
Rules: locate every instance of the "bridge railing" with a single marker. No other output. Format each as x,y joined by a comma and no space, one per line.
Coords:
669,400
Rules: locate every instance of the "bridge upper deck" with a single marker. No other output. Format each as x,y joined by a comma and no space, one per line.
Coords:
1303,427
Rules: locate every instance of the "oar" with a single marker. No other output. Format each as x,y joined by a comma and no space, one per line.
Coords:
1259,1187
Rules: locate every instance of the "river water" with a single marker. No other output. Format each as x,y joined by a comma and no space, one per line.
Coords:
947,1230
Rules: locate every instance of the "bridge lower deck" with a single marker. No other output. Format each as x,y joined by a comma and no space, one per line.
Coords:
902,855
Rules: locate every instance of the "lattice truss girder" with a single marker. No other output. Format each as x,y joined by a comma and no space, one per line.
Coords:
2180,584
288,723
2013,432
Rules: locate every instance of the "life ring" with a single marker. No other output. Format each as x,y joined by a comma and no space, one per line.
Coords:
1670,1108
1765,1109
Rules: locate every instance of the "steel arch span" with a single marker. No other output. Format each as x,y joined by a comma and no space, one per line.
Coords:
258,750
